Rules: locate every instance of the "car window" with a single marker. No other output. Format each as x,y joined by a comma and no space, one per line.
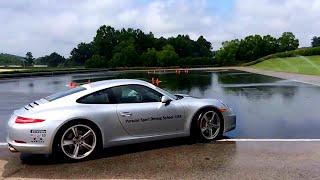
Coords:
64,93
167,93
135,94
150,95
100,97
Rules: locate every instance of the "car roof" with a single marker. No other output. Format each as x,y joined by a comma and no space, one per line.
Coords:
114,82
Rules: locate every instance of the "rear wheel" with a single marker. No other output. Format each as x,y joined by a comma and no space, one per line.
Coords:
208,126
77,142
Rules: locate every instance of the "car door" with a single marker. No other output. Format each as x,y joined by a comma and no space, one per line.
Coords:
100,107
141,111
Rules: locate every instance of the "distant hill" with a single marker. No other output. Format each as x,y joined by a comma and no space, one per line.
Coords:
9,59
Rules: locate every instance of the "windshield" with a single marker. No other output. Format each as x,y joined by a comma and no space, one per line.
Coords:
64,93
167,94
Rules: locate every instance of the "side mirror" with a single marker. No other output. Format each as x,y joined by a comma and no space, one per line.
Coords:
165,99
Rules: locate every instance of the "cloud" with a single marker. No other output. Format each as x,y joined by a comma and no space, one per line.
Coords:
46,26
274,17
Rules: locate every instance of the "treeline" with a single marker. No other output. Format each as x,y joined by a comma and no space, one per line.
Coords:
52,60
132,47
254,47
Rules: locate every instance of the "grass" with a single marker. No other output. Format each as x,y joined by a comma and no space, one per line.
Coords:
302,64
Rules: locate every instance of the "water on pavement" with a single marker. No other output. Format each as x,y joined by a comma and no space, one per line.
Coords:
266,107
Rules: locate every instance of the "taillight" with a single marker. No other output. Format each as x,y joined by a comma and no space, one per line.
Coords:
23,120
17,141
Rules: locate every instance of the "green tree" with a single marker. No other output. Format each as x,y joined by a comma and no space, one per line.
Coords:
124,55
315,41
160,43
29,59
105,40
250,48
182,45
96,61
149,58
53,60
270,45
288,42
143,41
226,55
167,57
81,53
203,47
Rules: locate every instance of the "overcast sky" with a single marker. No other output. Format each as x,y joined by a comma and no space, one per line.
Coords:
45,26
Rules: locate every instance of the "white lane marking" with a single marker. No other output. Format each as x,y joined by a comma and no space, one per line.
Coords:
269,140
244,140
310,83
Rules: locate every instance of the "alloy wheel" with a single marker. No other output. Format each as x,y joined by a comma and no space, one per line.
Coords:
210,125
78,141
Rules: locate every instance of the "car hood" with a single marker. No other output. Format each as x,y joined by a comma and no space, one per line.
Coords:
186,95
200,102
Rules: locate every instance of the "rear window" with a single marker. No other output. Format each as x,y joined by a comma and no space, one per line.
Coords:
64,93
100,97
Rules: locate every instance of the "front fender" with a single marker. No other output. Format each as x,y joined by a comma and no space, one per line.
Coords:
194,106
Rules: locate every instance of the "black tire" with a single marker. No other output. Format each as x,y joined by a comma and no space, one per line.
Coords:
196,133
60,152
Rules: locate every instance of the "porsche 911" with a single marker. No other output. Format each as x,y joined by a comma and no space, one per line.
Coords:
77,123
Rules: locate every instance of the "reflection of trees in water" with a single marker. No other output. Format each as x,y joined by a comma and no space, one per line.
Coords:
289,92
185,82
182,83
237,78
172,81
129,75
263,92
202,81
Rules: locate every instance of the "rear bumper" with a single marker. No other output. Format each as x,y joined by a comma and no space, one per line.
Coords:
229,122
28,147
35,138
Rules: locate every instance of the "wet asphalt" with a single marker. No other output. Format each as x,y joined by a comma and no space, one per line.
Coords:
175,159
266,107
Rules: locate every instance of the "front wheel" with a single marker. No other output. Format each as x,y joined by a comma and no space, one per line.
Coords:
208,126
77,142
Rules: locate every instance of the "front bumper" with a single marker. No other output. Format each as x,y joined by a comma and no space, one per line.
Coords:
229,120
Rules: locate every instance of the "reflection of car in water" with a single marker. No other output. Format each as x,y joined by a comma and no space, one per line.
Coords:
78,122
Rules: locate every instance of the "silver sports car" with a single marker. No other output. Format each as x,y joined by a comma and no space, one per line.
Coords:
79,122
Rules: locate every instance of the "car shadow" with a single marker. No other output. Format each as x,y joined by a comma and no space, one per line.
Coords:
111,160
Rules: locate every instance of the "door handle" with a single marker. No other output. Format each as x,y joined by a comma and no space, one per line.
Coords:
125,114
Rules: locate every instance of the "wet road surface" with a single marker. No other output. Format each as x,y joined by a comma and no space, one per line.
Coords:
179,160
266,107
